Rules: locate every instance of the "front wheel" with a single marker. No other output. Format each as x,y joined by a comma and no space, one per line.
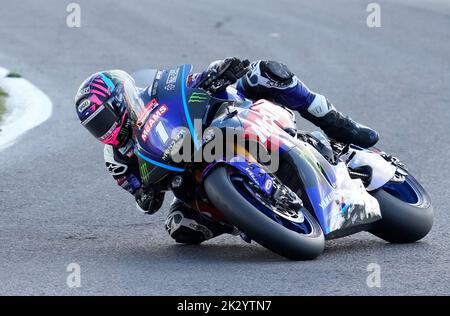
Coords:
407,213
294,236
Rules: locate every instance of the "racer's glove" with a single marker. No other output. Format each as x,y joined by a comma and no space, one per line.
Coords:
148,200
223,74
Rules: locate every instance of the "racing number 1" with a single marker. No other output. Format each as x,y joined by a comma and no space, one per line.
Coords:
162,133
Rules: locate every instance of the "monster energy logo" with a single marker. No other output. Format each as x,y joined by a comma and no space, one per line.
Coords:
198,97
144,172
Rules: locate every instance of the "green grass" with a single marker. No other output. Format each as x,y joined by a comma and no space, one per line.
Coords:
13,75
3,96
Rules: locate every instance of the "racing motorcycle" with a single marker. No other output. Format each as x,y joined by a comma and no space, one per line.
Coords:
322,189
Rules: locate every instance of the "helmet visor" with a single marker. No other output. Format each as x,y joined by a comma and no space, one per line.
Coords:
102,122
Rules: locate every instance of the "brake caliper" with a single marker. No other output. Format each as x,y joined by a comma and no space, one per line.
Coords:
287,203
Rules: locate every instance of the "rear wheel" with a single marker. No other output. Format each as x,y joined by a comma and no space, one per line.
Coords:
294,235
406,209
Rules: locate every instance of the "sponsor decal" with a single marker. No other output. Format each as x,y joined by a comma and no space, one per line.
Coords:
84,105
167,152
109,134
268,184
172,77
146,111
170,87
160,111
144,171
171,80
83,92
278,84
274,83
127,150
327,200
123,132
201,229
154,88
116,169
198,97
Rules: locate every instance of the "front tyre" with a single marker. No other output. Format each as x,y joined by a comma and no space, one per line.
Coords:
245,213
406,210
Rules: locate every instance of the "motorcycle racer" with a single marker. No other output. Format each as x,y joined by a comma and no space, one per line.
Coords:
103,99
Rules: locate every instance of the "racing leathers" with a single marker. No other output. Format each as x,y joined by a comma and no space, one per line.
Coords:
260,80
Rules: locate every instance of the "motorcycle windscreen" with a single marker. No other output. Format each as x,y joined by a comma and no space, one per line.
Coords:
171,118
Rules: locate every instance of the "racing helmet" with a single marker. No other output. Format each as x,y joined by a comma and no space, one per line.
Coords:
102,104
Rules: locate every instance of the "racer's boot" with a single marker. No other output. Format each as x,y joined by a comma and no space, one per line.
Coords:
188,226
337,126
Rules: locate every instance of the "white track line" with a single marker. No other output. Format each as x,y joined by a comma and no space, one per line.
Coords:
26,107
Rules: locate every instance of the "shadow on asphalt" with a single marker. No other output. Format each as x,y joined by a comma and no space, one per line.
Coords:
243,253
210,253
365,246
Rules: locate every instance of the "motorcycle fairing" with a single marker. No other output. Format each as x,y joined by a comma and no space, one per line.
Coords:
336,202
255,125
166,119
341,204
382,170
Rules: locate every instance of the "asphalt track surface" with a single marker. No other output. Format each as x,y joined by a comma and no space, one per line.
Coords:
58,205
